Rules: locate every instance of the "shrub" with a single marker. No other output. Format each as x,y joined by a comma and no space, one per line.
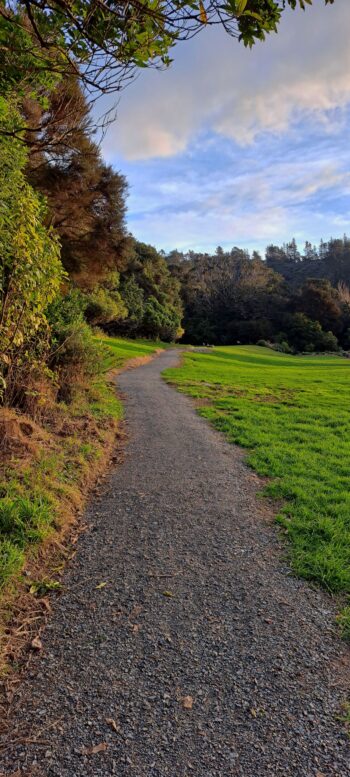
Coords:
328,342
161,321
134,298
282,347
30,267
76,359
307,335
75,354
66,309
104,305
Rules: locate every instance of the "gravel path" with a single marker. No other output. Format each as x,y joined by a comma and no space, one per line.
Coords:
201,655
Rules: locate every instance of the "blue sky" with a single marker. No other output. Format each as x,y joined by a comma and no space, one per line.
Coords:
237,147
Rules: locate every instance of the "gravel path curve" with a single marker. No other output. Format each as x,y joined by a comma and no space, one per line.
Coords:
201,655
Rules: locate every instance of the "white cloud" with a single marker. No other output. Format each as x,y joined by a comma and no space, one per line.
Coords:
248,206
216,84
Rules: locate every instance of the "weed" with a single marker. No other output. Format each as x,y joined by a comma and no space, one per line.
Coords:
42,587
345,716
344,622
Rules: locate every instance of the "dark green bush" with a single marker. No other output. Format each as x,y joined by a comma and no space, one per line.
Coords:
76,359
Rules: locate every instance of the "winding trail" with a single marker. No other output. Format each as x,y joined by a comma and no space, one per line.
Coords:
198,603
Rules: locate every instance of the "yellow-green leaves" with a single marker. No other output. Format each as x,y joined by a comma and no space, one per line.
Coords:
202,13
241,6
30,266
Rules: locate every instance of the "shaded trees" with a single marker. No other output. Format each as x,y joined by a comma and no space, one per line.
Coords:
232,297
320,302
331,260
86,198
151,294
227,297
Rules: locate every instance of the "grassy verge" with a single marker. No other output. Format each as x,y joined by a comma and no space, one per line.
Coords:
293,414
119,351
47,466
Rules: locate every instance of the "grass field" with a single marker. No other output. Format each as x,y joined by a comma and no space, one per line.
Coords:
293,413
120,350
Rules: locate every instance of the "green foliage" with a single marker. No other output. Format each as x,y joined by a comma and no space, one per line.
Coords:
293,413
76,356
26,69
76,359
67,309
11,560
30,267
133,296
344,623
107,46
307,335
43,587
151,295
282,347
104,305
160,321
23,522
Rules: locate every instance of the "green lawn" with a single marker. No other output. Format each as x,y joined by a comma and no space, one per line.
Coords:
120,350
293,413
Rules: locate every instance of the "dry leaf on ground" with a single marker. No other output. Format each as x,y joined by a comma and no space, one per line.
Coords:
94,749
111,722
36,643
45,603
187,702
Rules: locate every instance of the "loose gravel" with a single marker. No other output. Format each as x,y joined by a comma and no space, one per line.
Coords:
181,644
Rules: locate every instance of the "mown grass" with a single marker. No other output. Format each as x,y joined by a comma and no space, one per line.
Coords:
119,350
293,413
40,488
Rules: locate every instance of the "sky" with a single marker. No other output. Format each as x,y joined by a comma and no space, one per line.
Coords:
237,147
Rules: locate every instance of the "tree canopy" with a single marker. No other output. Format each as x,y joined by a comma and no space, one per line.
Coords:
105,42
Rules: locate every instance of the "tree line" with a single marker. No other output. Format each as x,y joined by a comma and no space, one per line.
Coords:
295,301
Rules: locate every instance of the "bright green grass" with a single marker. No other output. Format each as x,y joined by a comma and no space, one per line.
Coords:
120,350
293,413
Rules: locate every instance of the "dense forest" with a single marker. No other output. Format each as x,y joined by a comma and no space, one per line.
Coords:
298,302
